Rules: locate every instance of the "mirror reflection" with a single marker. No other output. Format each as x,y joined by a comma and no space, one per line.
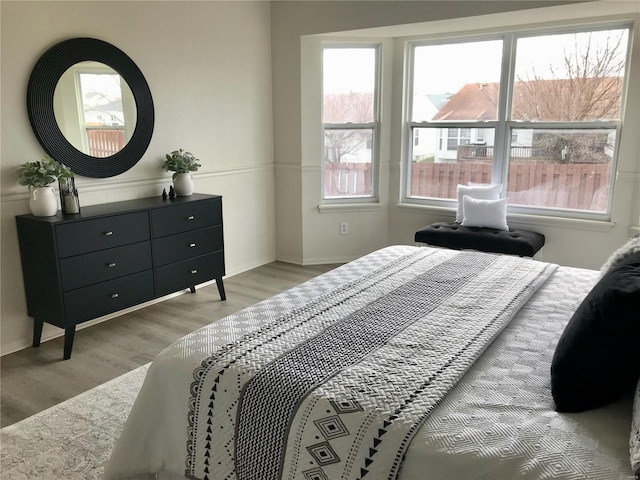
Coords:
94,109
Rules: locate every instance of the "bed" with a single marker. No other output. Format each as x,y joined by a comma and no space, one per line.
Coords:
408,363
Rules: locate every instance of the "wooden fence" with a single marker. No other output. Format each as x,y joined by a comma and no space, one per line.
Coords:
105,142
347,179
542,184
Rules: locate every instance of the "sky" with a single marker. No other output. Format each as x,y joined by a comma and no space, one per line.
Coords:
446,68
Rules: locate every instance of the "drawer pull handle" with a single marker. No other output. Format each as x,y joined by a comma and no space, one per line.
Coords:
115,295
108,234
112,264
191,245
190,217
194,271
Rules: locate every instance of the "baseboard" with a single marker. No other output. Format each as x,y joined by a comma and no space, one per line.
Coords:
285,259
327,260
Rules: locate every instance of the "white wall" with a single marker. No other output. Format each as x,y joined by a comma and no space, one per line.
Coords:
312,233
214,69
208,65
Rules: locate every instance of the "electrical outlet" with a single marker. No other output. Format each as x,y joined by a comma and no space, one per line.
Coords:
344,228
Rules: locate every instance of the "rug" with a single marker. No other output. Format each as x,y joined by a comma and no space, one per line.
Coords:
74,439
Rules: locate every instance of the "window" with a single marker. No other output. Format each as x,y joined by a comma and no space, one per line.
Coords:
537,112
102,110
350,122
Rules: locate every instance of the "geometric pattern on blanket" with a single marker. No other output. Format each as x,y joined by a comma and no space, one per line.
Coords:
357,416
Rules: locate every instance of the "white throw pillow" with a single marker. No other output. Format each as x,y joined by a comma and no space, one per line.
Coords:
634,441
630,248
485,213
485,192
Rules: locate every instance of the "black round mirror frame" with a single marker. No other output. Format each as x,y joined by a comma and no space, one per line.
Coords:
42,84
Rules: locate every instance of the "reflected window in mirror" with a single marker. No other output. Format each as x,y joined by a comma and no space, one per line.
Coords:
95,109
73,134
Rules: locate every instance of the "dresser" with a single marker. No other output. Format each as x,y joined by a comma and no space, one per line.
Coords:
117,255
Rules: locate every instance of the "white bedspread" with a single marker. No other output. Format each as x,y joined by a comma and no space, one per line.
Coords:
497,423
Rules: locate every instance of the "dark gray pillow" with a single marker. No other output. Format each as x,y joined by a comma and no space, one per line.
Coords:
597,357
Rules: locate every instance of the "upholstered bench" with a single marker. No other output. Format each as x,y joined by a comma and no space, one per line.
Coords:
457,237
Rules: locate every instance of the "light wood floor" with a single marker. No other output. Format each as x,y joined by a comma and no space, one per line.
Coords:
34,379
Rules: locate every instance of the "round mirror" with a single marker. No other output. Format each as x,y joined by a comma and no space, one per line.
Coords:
90,107
95,109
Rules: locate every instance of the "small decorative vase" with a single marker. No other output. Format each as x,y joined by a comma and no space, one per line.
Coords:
42,201
69,202
183,184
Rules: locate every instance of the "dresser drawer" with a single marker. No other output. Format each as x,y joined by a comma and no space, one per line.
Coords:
96,267
187,273
182,218
187,245
97,234
91,302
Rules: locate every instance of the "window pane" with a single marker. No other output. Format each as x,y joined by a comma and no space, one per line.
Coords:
436,172
564,169
348,158
103,113
457,81
348,85
570,77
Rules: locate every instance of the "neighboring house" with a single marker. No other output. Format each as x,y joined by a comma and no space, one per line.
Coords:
545,100
427,107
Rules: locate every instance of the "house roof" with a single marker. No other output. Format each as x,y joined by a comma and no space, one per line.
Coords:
474,101
439,99
550,100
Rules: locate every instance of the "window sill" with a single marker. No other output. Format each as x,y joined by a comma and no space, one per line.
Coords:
524,220
350,207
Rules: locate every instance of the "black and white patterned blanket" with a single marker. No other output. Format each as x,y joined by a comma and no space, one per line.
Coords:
337,388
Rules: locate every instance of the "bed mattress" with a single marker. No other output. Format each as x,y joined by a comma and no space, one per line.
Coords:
498,422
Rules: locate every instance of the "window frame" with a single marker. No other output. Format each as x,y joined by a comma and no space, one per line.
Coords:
504,126
374,126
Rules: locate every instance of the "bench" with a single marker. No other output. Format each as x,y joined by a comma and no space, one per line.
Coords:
453,235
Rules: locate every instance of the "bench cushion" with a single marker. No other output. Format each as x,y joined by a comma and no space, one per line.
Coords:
453,235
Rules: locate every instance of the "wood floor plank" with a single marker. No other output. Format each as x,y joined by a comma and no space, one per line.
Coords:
35,379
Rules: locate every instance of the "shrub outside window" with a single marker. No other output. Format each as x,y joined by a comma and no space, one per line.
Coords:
539,113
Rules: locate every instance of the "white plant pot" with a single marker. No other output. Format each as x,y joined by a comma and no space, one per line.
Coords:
43,201
183,184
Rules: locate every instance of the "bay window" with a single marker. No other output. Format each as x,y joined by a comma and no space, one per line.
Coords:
538,112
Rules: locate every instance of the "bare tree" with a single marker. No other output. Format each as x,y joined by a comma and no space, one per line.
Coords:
586,85
354,107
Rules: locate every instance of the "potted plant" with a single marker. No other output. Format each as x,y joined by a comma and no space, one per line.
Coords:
182,163
39,176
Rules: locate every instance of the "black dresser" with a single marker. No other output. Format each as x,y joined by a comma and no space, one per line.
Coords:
117,255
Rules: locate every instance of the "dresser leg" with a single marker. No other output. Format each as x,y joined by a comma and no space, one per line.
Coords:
220,288
192,289
37,331
69,332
